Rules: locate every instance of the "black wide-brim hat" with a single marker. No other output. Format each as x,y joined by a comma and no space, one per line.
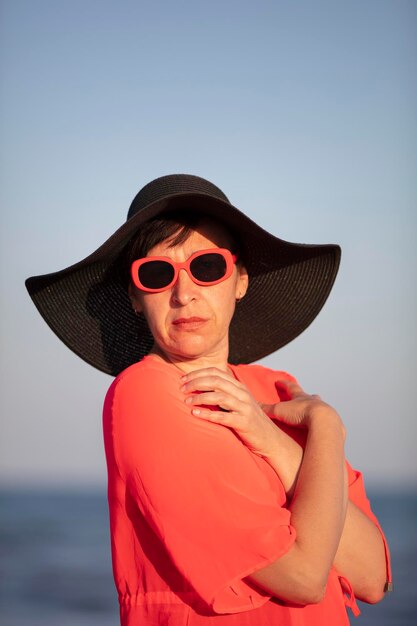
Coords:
88,308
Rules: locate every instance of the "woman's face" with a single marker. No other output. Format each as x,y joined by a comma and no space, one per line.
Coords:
191,322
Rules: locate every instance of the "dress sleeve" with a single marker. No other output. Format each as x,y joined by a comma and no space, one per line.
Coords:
357,495
217,507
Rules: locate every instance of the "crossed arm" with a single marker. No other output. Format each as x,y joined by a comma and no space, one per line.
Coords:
331,530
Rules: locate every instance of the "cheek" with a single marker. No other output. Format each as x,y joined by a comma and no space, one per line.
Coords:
226,301
155,310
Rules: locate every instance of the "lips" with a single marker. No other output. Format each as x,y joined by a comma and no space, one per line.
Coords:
189,323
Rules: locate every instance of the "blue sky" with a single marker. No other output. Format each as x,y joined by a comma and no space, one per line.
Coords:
304,113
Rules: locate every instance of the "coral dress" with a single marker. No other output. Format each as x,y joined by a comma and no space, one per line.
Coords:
193,511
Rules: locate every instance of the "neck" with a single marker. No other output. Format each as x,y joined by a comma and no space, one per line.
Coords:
191,364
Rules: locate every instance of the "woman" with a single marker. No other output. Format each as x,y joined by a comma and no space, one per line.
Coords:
230,498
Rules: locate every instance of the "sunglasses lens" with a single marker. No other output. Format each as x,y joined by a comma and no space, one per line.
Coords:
207,268
156,274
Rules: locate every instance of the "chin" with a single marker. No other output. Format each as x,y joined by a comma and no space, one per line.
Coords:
188,350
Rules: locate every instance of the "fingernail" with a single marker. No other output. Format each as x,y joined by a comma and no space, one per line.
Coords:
188,400
195,411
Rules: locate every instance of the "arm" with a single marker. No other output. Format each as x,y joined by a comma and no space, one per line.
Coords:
319,501
360,555
317,513
226,519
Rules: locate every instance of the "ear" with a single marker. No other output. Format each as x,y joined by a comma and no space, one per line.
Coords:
242,282
134,298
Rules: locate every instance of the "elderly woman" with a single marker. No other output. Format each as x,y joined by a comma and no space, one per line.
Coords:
230,498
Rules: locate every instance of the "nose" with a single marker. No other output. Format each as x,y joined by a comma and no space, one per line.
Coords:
184,289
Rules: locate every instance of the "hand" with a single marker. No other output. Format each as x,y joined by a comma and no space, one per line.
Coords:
297,408
233,406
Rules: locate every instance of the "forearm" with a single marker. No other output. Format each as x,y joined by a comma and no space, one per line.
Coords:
361,556
285,458
318,507
318,511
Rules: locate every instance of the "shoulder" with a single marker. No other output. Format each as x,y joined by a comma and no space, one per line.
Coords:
260,380
143,379
145,415
146,370
140,398
144,407
259,372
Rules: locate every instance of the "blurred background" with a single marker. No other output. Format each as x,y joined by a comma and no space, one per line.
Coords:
304,114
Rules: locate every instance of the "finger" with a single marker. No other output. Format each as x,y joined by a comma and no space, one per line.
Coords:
215,383
288,389
213,398
219,417
267,408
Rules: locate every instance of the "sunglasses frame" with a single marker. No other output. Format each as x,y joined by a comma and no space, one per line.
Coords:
228,256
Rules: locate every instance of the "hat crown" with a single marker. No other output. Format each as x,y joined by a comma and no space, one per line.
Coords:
171,185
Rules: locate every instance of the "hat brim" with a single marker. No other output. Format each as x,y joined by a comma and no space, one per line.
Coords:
88,308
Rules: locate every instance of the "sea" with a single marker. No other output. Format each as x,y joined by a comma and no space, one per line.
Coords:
56,567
